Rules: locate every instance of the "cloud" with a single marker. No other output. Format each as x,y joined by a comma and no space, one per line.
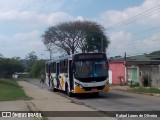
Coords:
80,18
112,17
31,5
33,12
21,44
32,17
25,25
124,40
118,44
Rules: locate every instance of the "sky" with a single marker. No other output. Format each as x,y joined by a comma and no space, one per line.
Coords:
133,26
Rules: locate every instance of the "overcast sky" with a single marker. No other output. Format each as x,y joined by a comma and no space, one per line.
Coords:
133,26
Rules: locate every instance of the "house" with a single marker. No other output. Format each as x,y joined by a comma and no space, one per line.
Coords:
116,72
130,71
146,73
20,75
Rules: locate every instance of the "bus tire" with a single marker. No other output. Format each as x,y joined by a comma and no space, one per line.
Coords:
53,89
67,91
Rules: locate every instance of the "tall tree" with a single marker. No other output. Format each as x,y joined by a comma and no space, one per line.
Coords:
1,56
95,37
31,58
77,36
8,66
37,68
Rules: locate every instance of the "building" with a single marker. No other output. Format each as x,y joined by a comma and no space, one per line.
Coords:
145,73
117,72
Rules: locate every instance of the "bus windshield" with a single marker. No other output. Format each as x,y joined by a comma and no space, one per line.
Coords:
88,69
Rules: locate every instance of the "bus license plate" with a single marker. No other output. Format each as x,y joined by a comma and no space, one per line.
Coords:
94,89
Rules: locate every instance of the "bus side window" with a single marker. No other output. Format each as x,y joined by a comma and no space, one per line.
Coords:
47,67
65,66
54,67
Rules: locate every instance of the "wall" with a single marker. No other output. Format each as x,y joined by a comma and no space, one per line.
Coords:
118,70
151,73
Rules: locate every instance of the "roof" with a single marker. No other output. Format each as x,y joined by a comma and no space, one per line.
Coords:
148,62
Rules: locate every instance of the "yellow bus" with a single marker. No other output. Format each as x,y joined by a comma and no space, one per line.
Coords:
78,73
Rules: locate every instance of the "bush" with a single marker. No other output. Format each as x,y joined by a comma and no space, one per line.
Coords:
37,68
134,84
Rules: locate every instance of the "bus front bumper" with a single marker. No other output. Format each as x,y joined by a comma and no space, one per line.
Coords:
77,89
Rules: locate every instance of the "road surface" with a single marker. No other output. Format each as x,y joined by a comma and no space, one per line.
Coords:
114,100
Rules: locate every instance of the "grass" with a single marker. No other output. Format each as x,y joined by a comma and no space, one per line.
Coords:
10,90
144,90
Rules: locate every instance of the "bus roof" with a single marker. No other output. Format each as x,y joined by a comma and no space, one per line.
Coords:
69,57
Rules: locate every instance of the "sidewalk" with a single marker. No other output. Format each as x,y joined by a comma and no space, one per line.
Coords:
44,100
118,87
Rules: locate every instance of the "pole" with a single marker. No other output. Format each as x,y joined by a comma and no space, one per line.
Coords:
101,43
50,54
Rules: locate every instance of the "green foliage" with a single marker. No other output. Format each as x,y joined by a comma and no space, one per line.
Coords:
134,84
145,90
31,58
77,36
10,90
8,66
95,37
37,68
156,53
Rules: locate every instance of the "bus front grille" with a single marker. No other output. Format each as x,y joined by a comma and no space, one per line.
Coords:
93,88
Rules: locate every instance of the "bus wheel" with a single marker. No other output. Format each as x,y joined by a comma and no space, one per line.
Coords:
67,91
53,89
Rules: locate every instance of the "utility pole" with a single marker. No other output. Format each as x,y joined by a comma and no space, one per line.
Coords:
102,43
50,51
125,55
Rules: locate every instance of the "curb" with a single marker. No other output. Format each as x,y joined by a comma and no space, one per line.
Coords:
32,108
149,94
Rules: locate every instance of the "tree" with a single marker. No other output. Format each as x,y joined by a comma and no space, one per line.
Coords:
31,58
8,66
95,37
37,68
1,56
77,36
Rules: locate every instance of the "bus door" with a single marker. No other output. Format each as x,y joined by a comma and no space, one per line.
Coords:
71,74
57,74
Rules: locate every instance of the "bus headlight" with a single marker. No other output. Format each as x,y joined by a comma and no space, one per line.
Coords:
79,85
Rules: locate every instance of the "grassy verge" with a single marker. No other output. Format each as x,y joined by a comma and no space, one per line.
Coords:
144,90
10,90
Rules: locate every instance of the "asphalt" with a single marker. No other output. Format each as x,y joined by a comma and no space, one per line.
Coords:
48,103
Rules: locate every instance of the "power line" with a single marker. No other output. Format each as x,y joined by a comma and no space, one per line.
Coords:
131,21
136,33
140,16
136,45
146,30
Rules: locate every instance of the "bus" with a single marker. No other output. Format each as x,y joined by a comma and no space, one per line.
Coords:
78,73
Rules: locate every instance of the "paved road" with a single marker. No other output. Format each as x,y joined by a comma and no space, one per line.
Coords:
114,100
